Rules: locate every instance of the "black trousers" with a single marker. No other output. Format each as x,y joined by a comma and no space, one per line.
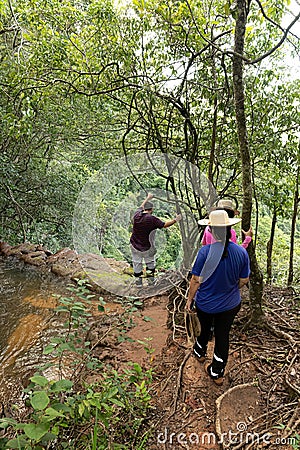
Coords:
222,325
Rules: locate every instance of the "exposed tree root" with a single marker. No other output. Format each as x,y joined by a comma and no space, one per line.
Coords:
178,385
279,333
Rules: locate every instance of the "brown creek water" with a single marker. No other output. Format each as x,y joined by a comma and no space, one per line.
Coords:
28,322
26,310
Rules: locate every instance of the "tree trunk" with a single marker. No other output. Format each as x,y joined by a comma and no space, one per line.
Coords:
215,119
212,155
293,228
256,279
213,142
270,245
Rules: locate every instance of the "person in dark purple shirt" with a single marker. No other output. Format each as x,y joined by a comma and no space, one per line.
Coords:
142,240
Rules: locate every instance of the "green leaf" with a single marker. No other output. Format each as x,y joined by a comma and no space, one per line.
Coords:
39,400
49,349
117,402
62,386
81,409
4,423
138,303
62,309
66,346
147,319
19,442
56,340
137,367
112,392
51,413
39,380
61,407
49,437
36,431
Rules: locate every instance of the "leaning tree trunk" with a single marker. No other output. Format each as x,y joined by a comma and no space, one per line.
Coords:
293,228
270,245
215,121
256,279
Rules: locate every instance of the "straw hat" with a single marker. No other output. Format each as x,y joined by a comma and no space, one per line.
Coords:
226,204
219,218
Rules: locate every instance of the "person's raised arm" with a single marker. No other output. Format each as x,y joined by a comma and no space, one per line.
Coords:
171,222
149,197
248,237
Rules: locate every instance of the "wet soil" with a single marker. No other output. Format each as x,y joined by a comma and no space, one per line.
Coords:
258,405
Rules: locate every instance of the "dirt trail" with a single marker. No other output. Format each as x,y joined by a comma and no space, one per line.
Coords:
190,411
260,395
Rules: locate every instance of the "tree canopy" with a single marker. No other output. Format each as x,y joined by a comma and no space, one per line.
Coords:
85,83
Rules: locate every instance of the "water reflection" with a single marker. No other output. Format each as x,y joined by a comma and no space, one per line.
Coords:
23,337
26,306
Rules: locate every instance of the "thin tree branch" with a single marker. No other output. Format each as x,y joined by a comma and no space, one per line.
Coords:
272,50
268,18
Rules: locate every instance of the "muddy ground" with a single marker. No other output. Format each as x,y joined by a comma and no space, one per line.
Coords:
258,405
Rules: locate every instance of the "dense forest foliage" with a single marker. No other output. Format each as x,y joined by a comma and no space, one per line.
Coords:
89,83
102,102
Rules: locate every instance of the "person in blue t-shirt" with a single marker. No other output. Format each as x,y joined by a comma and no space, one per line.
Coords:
219,271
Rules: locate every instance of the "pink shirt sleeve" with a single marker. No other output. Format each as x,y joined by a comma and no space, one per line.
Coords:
233,236
207,237
246,241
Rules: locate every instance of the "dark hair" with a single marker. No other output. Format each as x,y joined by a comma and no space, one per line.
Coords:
148,205
219,234
230,212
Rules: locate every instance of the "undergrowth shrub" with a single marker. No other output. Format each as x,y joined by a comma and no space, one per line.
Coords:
70,413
